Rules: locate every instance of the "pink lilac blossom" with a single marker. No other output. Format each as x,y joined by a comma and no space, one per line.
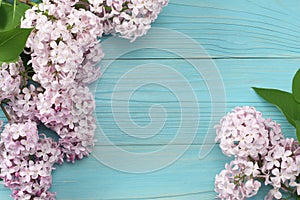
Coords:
26,161
90,71
244,132
62,37
23,106
65,51
233,183
11,79
20,139
276,164
283,169
127,18
69,112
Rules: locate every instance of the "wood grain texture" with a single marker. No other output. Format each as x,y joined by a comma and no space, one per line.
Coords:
251,43
244,28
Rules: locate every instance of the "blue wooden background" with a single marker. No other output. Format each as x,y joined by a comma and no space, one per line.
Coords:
251,43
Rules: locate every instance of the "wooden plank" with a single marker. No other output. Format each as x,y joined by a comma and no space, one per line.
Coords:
243,28
89,179
188,178
123,111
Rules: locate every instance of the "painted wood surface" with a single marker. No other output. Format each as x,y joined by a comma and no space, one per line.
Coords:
248,43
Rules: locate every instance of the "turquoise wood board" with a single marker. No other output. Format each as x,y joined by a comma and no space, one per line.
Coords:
158,98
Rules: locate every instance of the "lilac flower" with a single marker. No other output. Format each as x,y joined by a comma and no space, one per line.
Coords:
233,183
22,107
281,153
129,19
70,114
261,154
65,51
252,169
244,132
277,178
10,79
293,183
274,193
20,138
60,41
251,187
286,170
289,165
26,172
48,151
90,71
271,161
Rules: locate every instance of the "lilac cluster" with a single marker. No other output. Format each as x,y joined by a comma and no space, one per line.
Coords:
69,112
236,182
261,154
64,51
26,161
10,79
61,39
127,18
23,106
244,132
281,168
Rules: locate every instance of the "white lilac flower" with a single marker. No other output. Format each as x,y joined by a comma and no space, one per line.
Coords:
244,132
274,193
65,50
283,169
61,38
20,139
252,169
233,183
22,107
70,114
25,172
90,71
129,19
10,79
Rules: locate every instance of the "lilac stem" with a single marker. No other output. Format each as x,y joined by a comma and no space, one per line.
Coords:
5,112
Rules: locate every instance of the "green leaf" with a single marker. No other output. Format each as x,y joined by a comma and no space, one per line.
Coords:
284,101
12,43
11,15
296,86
